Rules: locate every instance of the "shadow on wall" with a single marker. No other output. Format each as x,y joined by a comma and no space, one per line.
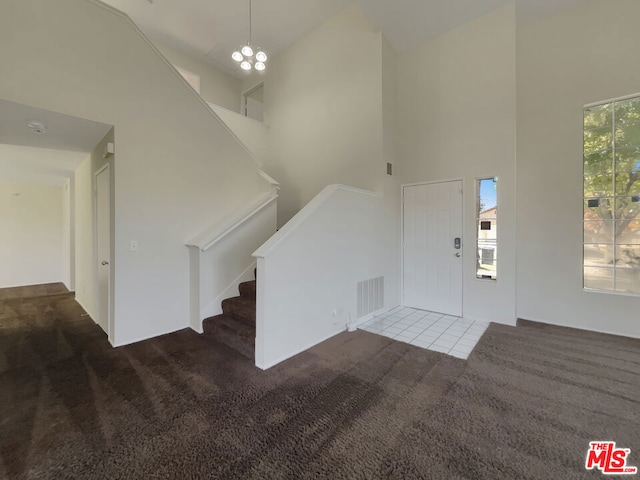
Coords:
290,200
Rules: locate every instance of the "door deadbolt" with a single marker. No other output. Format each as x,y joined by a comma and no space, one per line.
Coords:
457,243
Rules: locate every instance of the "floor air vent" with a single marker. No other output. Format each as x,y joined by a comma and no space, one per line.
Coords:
370,296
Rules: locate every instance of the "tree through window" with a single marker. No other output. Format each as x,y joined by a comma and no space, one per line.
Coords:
612,196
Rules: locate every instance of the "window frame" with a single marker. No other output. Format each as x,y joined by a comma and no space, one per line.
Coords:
478,219
612,198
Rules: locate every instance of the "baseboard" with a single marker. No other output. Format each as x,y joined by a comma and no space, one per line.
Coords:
214,307
522,322
511,323
296,352
149,337
86,310
352,327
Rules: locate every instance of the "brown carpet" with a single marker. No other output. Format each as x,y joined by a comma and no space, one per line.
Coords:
525,405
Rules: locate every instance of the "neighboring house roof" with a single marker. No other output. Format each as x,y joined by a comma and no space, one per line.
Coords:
490,212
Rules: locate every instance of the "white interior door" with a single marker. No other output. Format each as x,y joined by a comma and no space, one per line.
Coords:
103,246
254,103
432,262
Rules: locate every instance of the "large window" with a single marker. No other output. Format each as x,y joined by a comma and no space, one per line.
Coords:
612,196
487,228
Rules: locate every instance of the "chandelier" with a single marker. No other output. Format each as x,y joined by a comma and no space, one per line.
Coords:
247,57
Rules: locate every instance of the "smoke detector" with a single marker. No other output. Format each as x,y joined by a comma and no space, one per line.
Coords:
37,127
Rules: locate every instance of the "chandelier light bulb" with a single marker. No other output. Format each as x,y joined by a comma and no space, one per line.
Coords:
261,57
260,66
237,56
247,51
245,66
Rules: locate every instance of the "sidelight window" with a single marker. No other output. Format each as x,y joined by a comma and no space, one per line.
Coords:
487,228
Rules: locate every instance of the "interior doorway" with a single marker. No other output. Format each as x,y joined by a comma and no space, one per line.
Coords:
253,103
432,246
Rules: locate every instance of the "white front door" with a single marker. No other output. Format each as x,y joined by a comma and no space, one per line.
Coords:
432,257
103,245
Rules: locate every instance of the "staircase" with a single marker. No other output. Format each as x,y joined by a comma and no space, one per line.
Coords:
236,327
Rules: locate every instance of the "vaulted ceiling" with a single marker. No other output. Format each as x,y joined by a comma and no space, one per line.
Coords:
212,29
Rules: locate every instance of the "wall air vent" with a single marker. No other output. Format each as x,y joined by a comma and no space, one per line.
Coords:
370,296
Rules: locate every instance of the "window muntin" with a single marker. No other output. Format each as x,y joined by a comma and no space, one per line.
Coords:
611,161
487,228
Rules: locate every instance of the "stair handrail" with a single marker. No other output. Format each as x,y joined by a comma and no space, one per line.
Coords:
208,238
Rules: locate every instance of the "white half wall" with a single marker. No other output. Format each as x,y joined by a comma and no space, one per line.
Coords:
215,86
229,261
31,242
457,113
253,134
308,272
581,56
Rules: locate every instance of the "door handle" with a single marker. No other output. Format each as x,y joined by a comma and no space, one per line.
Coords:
104,262
458,254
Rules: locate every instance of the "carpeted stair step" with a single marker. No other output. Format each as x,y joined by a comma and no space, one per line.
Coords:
248,290
234,334
241,308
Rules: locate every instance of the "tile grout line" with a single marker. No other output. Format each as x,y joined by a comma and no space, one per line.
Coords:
461,337
402,317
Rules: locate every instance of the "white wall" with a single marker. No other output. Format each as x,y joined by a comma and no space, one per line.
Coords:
84,252
84,226
253,134
456,109
584,55
391,237
322,102
311,268
215,86
389,104
178,170
31,242
66,250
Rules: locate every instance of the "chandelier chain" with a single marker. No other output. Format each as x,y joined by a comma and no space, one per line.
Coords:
245,55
